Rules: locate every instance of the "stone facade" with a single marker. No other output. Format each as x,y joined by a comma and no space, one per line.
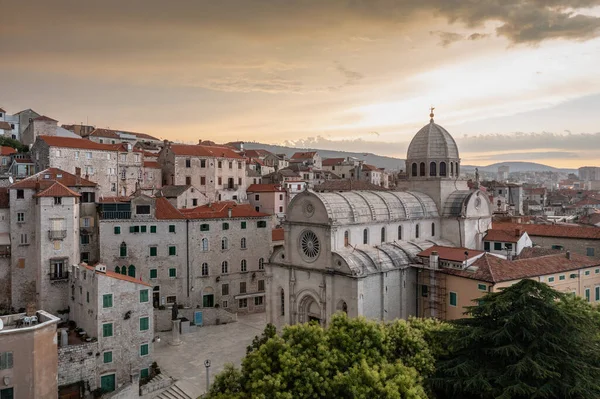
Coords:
77,364
40,126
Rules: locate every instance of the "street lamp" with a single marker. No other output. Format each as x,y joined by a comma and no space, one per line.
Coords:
207,365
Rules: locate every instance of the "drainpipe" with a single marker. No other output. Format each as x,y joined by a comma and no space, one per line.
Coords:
187,254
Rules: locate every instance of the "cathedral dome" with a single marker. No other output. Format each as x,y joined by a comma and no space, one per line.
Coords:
432,142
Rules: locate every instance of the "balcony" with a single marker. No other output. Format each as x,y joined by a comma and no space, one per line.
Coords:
56,276
115,215
57,234
231,187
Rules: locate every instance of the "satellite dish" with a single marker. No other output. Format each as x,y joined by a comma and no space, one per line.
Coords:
11,180
1,324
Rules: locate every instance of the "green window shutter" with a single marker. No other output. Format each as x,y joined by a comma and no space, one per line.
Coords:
143,229
453,299
132,229
153,273
144,373
107,301
587,294
172,272
87,297
482,287
144,295
108,357
144,350
550,279
172,250
107,330
153,251
152,229
144,324
204,227
243,225
597,293
117,229
171,228
225,226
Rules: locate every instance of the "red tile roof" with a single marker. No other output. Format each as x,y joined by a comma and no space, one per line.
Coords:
151,164
277,235
204,151
333,161
116,275
57,189
165,210
493,269
45,119
456,254
219,210
51,175
552,230
4,150
369,167
4,199
586,201
5,126
304,155
22,160
150,154
264,188
256,153
71,142
503,235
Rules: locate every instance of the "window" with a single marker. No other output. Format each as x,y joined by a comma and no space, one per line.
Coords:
573,275
107,356
88,197
194,201
107,301
508,245
225,289
417,227
24,240
383,234
399,232
153,251
482,287
258,300
225,226
205,269
172,250
87,297
365,236
432,169
188,163
6,360
57,200
88,155
256,197
20,194
261,285
597,293
282,300
113,187
86,222
243,267
107,330
224,244
587,272
587,295
188,180
261,224
134,229
220,181
422,169
123,250
131,271
142,209
589,251
242,287
239,165
432,229
144,323
243,243
171,228
144,373
453,298
202,180
152,229
561,277
153,273
346,238
144,350
208,301
442,168
20,217
424,290
243,303
172,272
261,264
203,163
220,164
204,227
143,296
497,246
486,246
550,279
205,244
171,299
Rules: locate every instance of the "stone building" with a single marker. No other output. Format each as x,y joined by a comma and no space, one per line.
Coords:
309,158
117,310
40,126
51,213
268,198
198,257
6,154
218,172
352,251
5,280
182,197
28,357
111,136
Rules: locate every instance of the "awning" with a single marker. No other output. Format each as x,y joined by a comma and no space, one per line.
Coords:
4,238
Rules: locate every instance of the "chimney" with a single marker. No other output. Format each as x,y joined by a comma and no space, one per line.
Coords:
228,212
434,260
569,255
517,232
199,141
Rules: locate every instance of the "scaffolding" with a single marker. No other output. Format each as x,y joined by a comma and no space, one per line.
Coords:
432,293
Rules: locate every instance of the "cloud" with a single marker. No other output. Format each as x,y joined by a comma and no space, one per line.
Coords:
446,38
273,84
530,156
478,36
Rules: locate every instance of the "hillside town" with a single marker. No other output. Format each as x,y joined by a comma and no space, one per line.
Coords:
119,248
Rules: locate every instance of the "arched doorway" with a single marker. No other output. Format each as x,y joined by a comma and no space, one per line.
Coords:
309,310
342,306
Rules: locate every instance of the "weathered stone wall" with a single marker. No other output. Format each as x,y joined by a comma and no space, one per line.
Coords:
163,322
575,245
78,363
38,128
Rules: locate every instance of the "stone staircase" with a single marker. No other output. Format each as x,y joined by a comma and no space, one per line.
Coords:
175,391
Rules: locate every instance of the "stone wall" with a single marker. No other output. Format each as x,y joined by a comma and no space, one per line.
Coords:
162,318
78,363
575,245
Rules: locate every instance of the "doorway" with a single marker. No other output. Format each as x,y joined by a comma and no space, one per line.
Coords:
156,296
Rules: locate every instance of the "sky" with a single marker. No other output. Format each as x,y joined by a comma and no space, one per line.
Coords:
510,80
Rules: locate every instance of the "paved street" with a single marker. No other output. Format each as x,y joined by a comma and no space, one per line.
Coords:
221,344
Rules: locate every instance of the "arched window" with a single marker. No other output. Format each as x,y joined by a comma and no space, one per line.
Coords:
261,264
243,243
414,169
399,232
432,229
224,267
123,250
382,235
432,169
442,168
224,243
451,168
131,271
117,269
205,244
282,302
205,269
124,270
417,231
346,238
243,267
457,170
422,169
365,236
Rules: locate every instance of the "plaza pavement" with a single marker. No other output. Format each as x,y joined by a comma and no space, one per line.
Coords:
225,343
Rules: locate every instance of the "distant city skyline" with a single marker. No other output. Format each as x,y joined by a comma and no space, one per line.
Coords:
511,81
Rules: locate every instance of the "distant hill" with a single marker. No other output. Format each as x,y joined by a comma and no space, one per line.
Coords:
518,167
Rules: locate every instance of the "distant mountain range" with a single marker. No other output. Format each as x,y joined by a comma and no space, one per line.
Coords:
396,164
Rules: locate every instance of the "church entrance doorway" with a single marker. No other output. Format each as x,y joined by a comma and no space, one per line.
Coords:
309,310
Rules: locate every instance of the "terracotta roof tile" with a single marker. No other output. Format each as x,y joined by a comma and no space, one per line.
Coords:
277,235
57,189
550,230
369,167
456,254
103,133
503,235
150,154
204,151
165,210
116,275
220,210
333,161
304,155
152,164
23,160
5,126
264,188
256,153
4,150
53,174
69,142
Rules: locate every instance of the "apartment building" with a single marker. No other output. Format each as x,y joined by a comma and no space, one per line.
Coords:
309,158
506,242
218,172
199,257
268,198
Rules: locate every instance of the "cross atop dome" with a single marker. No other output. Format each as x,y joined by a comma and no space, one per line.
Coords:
431,113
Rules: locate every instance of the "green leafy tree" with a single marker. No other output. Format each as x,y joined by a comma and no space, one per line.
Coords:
527,341
8,142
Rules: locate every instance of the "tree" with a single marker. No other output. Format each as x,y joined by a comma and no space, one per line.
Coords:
8,142
352,358
527,341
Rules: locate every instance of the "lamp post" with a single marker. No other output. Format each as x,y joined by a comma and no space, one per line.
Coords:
207,365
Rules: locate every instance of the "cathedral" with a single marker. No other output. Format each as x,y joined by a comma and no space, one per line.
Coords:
355,251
